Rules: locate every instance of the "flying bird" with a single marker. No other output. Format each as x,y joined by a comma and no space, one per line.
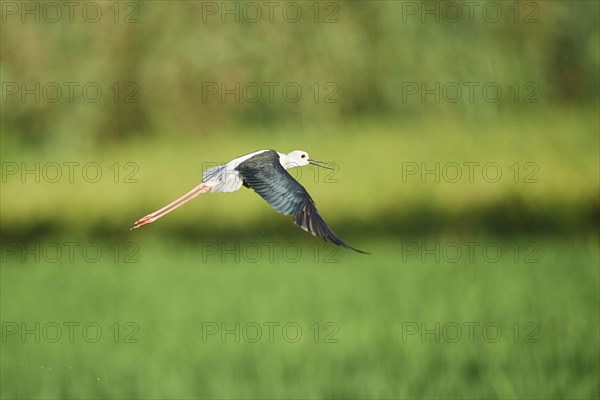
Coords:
265,172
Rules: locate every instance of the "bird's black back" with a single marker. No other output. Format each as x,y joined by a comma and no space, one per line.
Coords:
267,177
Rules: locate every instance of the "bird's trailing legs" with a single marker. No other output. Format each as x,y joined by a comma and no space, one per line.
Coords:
191,195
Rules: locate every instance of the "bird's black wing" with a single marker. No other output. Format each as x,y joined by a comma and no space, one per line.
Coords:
267,177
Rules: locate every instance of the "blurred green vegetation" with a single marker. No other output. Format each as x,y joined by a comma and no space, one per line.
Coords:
369,53
371,192
172,291
372,49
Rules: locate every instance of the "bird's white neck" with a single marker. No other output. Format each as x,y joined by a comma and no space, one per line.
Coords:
285,162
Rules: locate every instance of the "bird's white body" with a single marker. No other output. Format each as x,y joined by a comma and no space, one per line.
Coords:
225,178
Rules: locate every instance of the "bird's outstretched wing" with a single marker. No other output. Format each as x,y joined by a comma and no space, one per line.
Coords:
267,177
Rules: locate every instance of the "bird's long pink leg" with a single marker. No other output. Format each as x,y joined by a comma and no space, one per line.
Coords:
200,186
191,195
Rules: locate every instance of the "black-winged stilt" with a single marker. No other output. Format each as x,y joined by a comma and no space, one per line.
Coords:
265,172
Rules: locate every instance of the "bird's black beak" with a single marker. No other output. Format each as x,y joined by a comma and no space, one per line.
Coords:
322,164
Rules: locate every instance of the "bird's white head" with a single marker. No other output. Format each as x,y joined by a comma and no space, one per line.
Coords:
293,159
299,158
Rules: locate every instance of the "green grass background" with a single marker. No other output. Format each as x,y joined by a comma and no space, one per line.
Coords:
171,292
369,191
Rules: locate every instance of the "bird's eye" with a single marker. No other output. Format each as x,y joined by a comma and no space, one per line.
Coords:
303,155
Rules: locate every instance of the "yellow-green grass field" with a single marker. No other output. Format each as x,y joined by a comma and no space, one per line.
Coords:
508,172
